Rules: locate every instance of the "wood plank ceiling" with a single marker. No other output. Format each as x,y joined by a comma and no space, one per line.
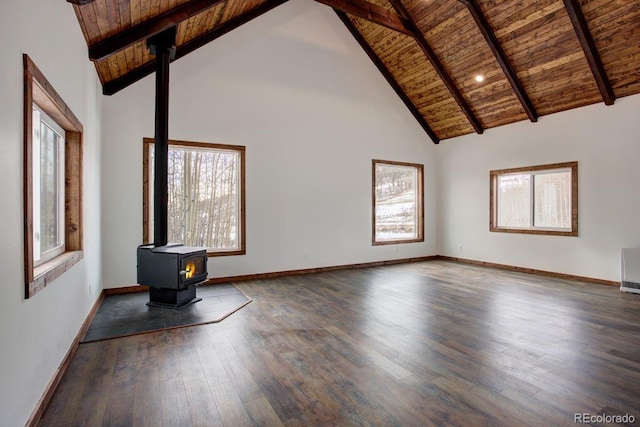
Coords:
536,57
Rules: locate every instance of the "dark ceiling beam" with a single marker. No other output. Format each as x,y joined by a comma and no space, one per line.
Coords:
148,28
501,57
437,65
388,76
590,51
144,70
80,2
371,12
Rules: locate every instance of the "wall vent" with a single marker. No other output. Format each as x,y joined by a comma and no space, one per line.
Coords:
630,277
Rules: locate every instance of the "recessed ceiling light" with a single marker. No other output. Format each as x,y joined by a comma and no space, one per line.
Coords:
479,78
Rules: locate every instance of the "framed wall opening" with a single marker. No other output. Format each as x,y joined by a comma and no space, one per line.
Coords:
42,100
535,200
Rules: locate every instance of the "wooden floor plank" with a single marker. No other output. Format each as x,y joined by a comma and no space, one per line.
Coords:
430,343
202,406
175,405
65,401
262,414
147,407
120,402
232,411
92,406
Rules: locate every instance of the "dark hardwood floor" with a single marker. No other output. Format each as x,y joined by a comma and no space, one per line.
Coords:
431,343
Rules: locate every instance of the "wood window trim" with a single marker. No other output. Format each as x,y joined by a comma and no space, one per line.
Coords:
420,192
146,237
38,90
493,208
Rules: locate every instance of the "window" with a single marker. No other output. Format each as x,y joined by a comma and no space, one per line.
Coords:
397,202
206,196
535,200
52,182
48,187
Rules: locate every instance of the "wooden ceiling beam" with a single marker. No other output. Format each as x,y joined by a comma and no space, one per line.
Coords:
501,57
371,12
144,70
590,51
148,28
388,76
437,65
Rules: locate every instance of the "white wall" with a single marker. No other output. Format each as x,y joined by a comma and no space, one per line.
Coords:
35,334
604,141
296,89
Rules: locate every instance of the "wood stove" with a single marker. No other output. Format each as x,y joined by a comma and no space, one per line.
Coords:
172,272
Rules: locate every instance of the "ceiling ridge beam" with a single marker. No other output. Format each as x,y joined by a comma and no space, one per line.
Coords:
117,42
437,65
387,75
590,51
501,57
116,85
371,12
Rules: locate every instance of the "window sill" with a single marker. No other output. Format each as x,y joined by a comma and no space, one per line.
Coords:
214,254
396,242
52,269
573,233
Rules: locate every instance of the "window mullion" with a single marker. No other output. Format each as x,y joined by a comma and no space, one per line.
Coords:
532,201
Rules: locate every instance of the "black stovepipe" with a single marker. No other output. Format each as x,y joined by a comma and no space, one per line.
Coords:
162,46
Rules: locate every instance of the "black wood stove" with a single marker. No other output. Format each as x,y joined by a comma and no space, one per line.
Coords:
172,273
172,270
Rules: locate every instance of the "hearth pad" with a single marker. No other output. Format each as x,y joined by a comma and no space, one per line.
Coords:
128,314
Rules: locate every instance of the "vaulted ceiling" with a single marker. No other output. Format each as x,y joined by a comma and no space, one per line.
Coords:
534,57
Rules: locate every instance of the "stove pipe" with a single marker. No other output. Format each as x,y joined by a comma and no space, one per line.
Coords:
161,45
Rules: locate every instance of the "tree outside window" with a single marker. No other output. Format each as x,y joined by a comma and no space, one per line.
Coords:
205,198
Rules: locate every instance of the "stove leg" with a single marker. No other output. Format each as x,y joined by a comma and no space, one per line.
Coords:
172,298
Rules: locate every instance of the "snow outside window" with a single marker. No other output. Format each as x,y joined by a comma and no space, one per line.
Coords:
397,202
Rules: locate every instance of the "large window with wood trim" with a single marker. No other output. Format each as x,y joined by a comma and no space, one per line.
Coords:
536,200
52,182
206,200
397,202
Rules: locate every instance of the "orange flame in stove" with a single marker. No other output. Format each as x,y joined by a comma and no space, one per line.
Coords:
190,269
